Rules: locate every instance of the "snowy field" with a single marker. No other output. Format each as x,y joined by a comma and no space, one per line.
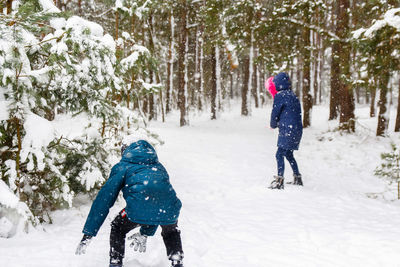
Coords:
343,216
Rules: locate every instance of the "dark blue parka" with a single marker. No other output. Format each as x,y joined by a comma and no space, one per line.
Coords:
286,114
150,198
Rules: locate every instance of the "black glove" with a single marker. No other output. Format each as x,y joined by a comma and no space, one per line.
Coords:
81,249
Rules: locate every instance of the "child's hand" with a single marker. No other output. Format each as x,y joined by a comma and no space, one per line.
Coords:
139,242
81,249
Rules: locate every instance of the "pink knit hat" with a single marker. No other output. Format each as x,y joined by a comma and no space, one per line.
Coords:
270,86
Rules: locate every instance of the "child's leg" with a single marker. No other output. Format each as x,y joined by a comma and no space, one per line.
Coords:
292,161
280,153
172,241
120,226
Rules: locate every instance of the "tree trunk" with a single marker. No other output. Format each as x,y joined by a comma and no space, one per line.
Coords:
316,67
335,73
321,69
298,77
246,89
9,6
255,88
200,99
214,84
220,89
80,7
383,118
152,108
397,126
182,63
372,104
170,66
346,93
116,25
197,68
152,113
245,86
307,98
231,84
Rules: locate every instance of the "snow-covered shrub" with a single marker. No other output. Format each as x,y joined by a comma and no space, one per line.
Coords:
135,67
62,117
15,216
390,166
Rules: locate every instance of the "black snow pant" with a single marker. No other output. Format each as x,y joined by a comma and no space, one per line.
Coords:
121,225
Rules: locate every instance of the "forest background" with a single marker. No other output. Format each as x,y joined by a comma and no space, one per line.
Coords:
112,66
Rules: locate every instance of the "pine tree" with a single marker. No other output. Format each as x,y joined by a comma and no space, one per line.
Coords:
378,43
390,167
67,70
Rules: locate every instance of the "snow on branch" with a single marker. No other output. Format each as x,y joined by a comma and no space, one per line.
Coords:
313,28
391,18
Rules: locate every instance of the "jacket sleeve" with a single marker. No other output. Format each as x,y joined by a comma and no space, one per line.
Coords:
148,230
276,111
105,199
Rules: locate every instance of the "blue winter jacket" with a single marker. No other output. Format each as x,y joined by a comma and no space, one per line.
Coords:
286,114
150,198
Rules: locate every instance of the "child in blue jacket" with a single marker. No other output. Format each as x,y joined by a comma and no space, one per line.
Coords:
286,115
150,202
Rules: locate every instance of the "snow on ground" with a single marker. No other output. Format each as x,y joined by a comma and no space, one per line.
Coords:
221,170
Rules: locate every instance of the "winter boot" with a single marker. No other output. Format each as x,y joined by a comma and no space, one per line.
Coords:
177,264
176,259
297,180
278,183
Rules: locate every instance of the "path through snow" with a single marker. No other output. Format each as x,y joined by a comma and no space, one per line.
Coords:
221,170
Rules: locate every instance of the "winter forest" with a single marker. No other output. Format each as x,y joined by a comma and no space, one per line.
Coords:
77,76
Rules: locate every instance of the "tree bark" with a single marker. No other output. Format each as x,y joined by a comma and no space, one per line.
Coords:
346,93
245,86
9,6
152,108
335,73
182,62
214,84
170,67
397,125
316,67
231,84
383,104
248,74
255,88
307,98
298,77
321,69
372,104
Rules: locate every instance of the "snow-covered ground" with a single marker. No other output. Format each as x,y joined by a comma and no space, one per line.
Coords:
343,216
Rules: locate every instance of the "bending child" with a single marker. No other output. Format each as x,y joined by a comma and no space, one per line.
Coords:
150,201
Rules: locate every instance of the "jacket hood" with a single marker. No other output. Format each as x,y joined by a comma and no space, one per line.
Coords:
270,86
140,152
282,82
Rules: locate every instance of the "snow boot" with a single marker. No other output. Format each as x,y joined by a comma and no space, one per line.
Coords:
177,264
176,259
297,180
278,183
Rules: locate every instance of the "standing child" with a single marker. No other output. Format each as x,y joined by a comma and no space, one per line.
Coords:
286,115
150,201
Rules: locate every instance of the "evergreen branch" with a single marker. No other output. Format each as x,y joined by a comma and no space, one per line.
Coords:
102,14
58,38
56,143
312,27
